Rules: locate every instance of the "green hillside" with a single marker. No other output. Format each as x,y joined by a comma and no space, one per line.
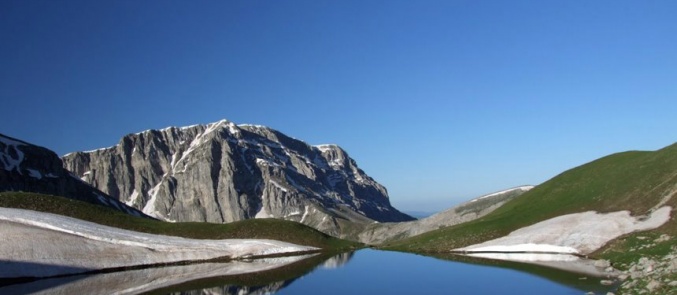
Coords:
635,181
275,229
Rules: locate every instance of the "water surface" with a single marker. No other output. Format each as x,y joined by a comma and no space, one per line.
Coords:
363,272
381,272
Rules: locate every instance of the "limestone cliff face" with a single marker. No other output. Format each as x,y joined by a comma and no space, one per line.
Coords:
223,172
30,168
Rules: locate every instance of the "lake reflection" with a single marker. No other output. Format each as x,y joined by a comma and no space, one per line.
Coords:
362,272
380,272
166,279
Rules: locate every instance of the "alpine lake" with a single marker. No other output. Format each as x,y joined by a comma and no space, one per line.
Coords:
366,271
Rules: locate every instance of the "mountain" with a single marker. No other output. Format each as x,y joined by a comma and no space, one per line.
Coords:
378,233
223,172
30,168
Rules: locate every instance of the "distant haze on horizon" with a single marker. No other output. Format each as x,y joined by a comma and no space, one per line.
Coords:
439,101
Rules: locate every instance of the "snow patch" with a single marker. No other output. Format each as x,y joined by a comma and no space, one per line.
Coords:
295,213
305,213
85,176
253,126
93,240
262,211
99,150
8,161
34,173
233,129
132,198
173,162
585,232
527,257
522,188
264,162
325,147
273,182
217,125
193,145
262,214
197,141
358,176
530,248
149,208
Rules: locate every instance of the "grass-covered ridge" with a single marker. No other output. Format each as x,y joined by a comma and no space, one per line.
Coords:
275,229
635,181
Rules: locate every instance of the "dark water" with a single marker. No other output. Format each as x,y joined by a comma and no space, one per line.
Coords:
362,272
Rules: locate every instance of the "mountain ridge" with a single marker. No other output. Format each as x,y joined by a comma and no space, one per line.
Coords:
223,172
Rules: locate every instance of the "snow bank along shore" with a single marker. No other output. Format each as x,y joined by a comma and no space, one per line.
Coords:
37,244
565,238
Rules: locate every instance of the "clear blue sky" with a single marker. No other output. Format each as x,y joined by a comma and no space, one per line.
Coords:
440,101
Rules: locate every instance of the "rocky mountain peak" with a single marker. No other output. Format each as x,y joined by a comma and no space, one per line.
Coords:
223,172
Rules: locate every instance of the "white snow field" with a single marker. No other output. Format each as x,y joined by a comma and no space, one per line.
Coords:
37,244
565,238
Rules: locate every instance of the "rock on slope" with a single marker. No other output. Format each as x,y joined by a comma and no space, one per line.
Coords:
223,172
30,168
473,209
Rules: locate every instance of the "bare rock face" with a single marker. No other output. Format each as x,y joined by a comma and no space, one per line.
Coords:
30,168
222,172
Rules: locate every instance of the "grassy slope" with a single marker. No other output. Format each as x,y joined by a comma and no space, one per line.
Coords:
633,181
254,228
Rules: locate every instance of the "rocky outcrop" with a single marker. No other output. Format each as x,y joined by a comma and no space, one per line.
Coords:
30,168
650,273
223,172
473,209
